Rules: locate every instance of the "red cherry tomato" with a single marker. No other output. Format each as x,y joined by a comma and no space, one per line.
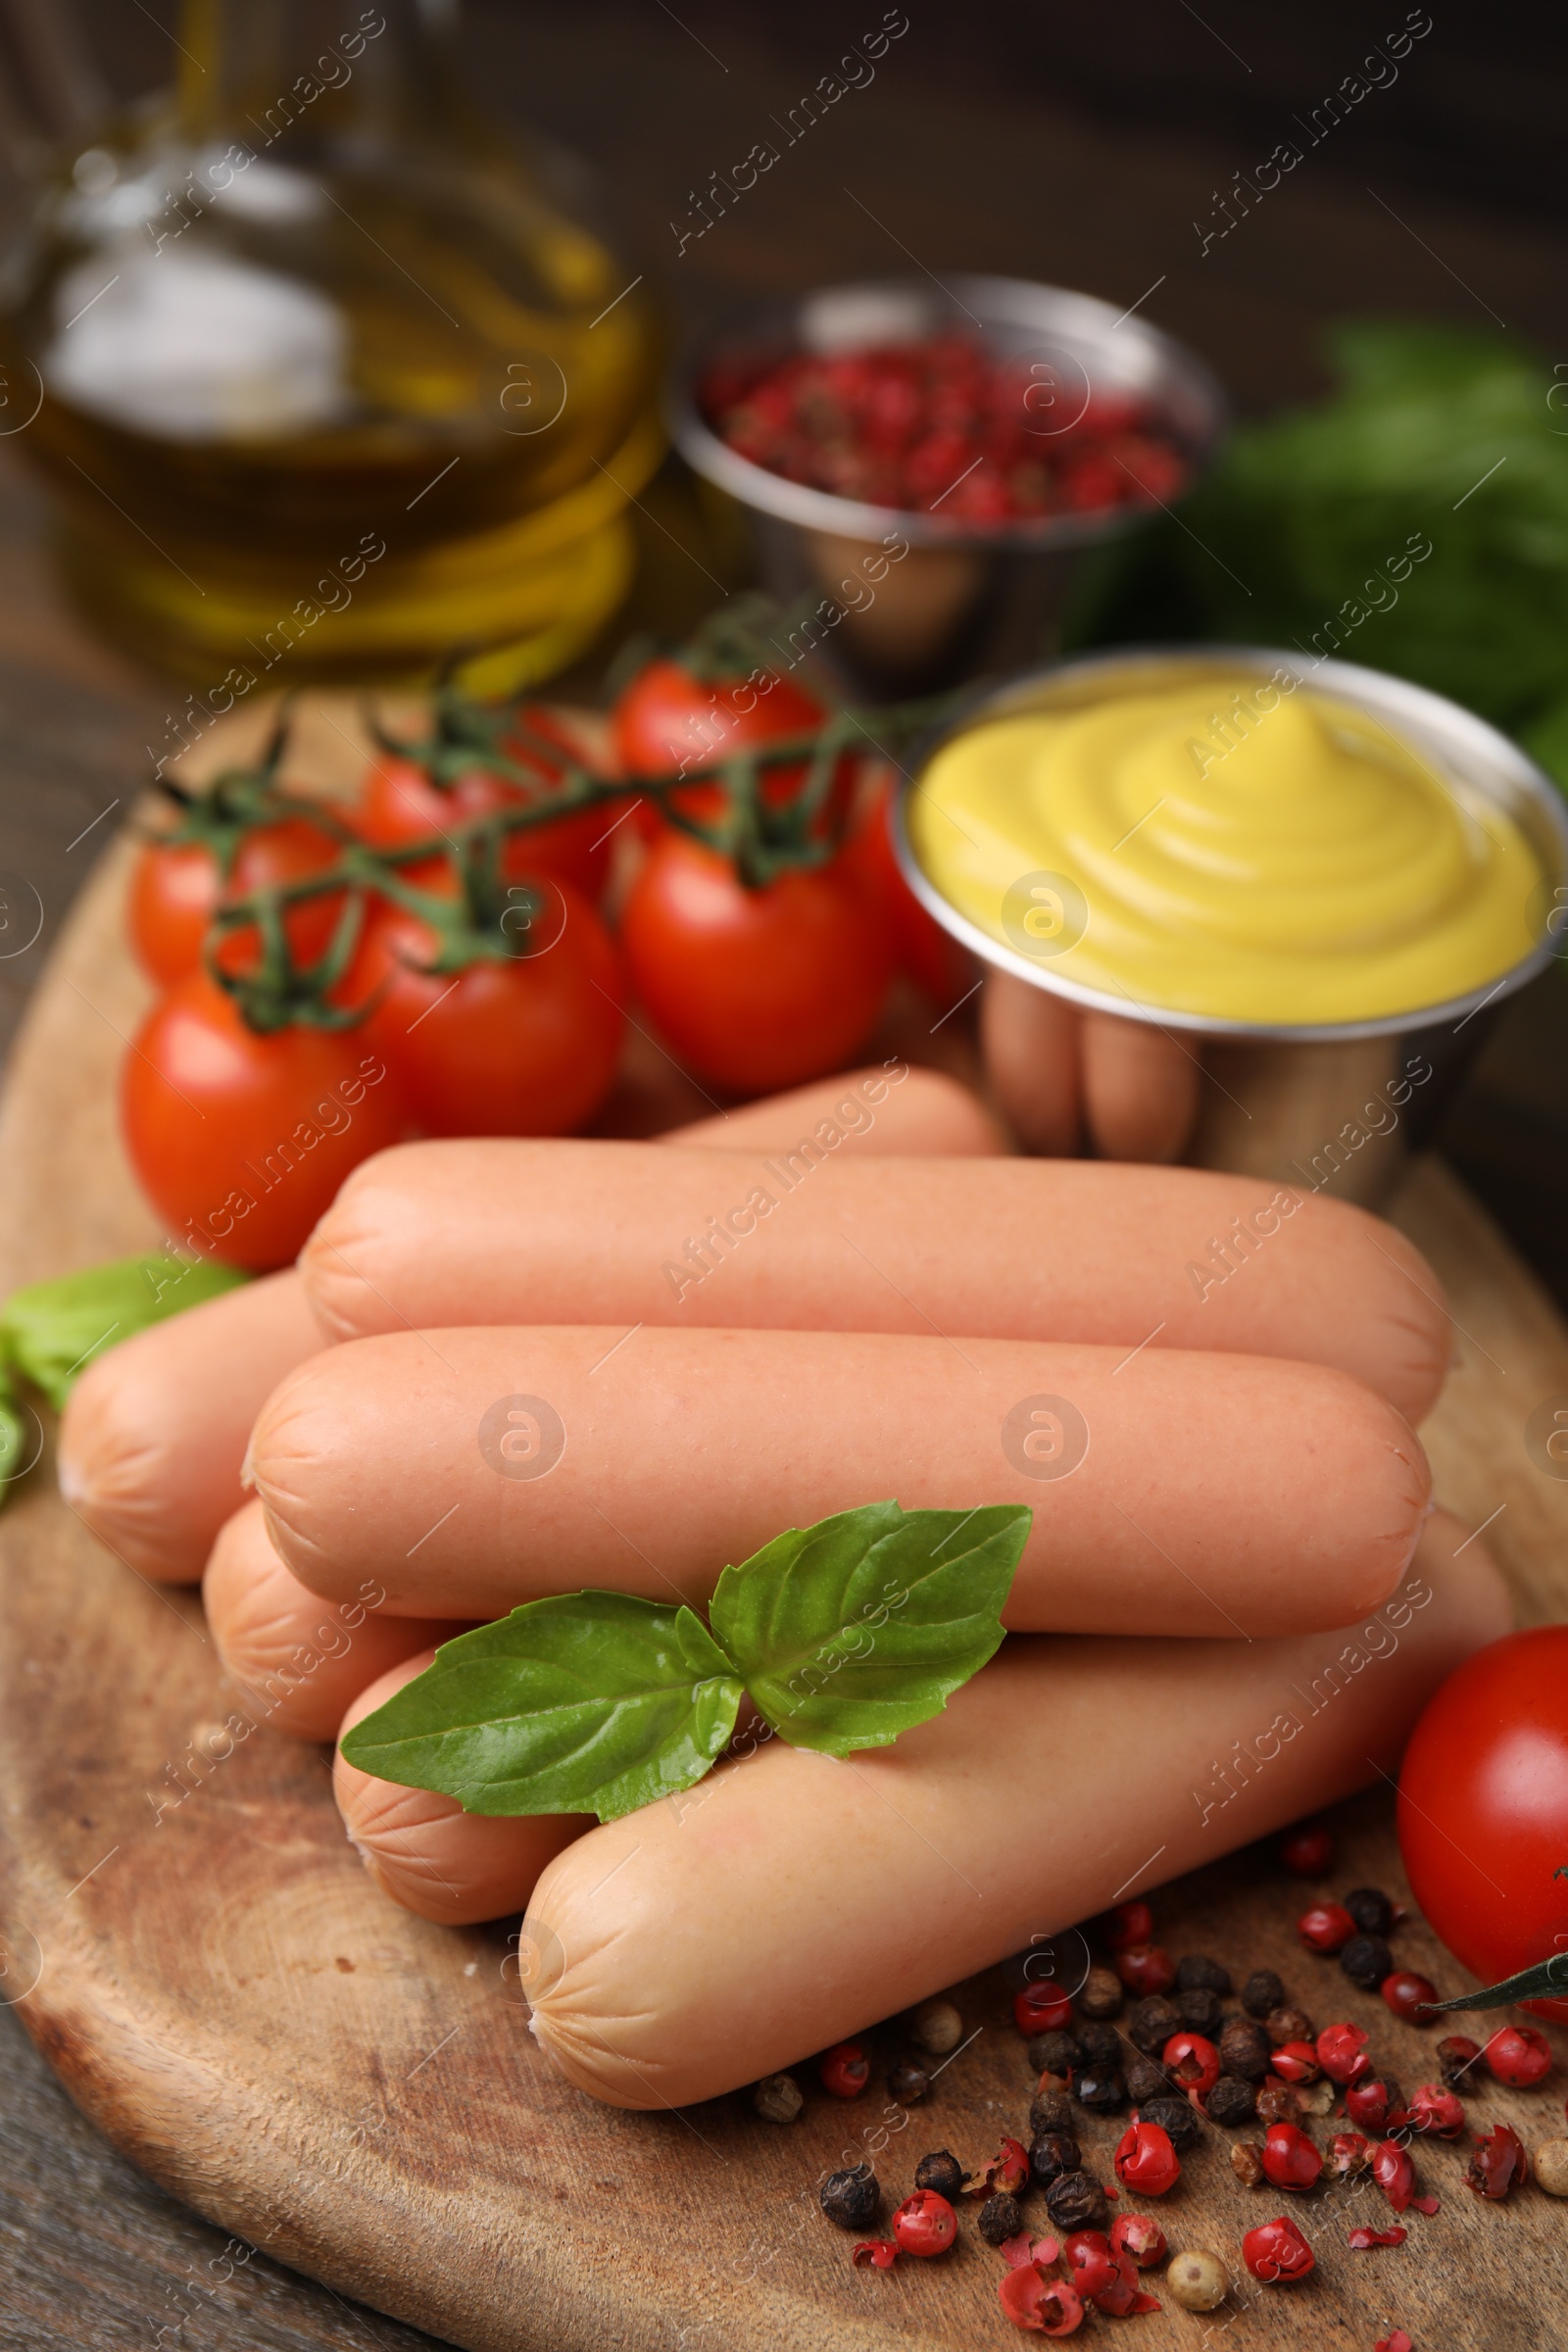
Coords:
1277,2253
1518,2055
931,956
1325,1928
667,722
755,989
1484,1808
1145,2159
527,1045
1307,1851
401,802
240,1142
1041,2008
175,890
1290,2159
845,2069
925,2224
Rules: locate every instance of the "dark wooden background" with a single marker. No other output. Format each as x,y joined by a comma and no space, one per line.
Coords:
1065,143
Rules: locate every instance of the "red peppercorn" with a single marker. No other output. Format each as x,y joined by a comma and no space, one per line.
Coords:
845,2069
1007,2172
1145,2161
1519,2055
1307,1851
1091,2260
925,2224
1342,2053
1124,2294
1407,1992
1193,2062
1146,1968
1393,2173
1325,1926
1129,1923
1371,2104
878,2253
1349,2154
1433,2109
1042,2008
1290,2160
1296,2062
1497,2162
1277,2253
1041,2304
1456,2055
1139,2237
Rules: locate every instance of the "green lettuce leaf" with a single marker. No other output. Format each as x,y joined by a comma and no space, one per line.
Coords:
852,1631
589,1702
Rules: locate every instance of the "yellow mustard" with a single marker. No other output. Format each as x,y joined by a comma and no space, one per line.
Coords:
1238,847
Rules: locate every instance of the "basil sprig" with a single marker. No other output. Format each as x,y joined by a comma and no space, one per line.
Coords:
844,1635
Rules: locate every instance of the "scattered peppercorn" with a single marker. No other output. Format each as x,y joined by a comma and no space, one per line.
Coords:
1307,1850
778,2098
1436,2111
1371,1910
1290,2159
1000,2218
1032,2299
1277,2253
1076,2201
1129,1923
1349,2155
908,2084
936,2027
1551,2167
845,2069
1057,2053
942,2172
1366,1960
1139,2237
1041,2008
1052,2153
1314,2099
1232,2101
1007,2175
1145,2161
1456,2055
1191,2061
1102,2045
1342,2053
1176,2117
851,2199
1374,2103
1497,2162
1146,1968
1246,2162
1093,2261
1198,2280
1101,1993
1200,2008
1196,1970
1296,2062
1263,1991
1243,2050
1049,2111
1277,2102
1145,2080
1288,2025
1150,2023
1518,2055
1393,2173
926,2224
1325,1928
1101,2088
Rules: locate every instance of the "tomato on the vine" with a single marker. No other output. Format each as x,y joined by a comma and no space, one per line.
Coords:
177,887
670,721
756,989
241,1141
930,955
528,1044
1484,1808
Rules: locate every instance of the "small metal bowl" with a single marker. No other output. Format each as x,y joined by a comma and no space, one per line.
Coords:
965,598
1283,1100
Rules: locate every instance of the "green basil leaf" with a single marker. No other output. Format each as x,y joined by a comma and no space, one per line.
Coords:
590,1702
852,1631
53,1330
13,1434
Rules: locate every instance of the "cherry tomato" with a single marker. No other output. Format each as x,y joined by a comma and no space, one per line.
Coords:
1484,1808
668,721
925,2224
176,888
931,956
755,989
242,1140
401,802
529,1046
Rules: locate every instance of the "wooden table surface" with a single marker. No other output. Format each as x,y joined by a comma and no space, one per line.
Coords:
91,2253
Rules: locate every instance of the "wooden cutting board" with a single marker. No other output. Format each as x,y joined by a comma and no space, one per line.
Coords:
353,2091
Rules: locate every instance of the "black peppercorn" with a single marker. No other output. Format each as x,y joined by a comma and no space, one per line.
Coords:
1050,2154
1076,2201
1101,1993
1243,2050
1200,2008
1152,2022
1232,2101
1366,1960
1099,2088
1055,2053
940,2172
851,2199
1288,2025
908,2084
1147,2081
1371,1910
1263,1992
1100,2045
1198,1972
1050,2111
1177,2118
1001,2216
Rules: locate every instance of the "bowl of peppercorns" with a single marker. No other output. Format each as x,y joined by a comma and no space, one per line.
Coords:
929,462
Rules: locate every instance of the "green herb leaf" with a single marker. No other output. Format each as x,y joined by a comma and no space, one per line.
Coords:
589,1702
1547,1981
852,1631
13,1432
51,1330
